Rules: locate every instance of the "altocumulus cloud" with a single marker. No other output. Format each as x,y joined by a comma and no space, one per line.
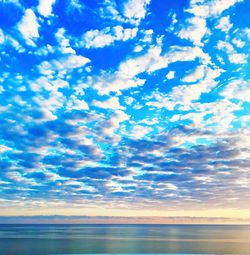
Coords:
118,104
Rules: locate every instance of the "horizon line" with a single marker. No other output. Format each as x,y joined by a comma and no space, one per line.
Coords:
120,220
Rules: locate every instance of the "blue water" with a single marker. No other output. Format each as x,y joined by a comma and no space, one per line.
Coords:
82,239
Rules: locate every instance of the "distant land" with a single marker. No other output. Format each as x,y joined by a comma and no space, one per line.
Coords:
62,219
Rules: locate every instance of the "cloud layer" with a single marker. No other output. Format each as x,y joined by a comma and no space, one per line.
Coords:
125,104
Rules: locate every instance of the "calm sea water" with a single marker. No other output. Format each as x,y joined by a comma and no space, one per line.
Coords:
82,239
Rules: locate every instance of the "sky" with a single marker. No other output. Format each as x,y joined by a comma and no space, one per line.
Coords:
125,108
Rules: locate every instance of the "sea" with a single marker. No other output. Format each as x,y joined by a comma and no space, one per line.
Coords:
124,239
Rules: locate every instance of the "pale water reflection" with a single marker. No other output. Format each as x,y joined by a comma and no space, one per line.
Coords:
120,239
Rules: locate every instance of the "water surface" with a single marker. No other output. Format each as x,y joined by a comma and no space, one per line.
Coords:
82,239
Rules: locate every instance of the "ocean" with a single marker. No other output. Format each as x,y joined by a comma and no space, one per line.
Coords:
90,239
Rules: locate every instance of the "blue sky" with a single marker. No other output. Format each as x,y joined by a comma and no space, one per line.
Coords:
130,106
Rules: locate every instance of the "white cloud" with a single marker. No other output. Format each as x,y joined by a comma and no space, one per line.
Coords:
184,95
178,53
160,100
147,62
151,61
50,85
139,131
129,100
226,46
47,115
74,6
238,89
210,8
77,104
2,37
72,61
238,42
1,89
28,27
7,39
222,109
224,24
170,75
64,42
238,58
196,75
64,63
45,7
4,148
194,30
111,125
171,186
247,32
233,56
109,10
147,37
17,177
150,121
111,103
135,10
125,77
138,48
45,50
107,36
115,83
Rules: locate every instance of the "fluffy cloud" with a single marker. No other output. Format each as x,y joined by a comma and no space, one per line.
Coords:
233,56
207,9
224,24
238,58
238,89
28,27
111,103
135,10
78,104
194,30
150,62
107,36
139,131
110,126
185,94
196,75
64,42
64,63
161,120
170,75
45,7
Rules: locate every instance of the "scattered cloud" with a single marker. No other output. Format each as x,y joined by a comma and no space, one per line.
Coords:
107,36
135,10
28,27
170,75
45,7
238,58
139,131
207,9
224,24
238,89
111,102
196,75
194,30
